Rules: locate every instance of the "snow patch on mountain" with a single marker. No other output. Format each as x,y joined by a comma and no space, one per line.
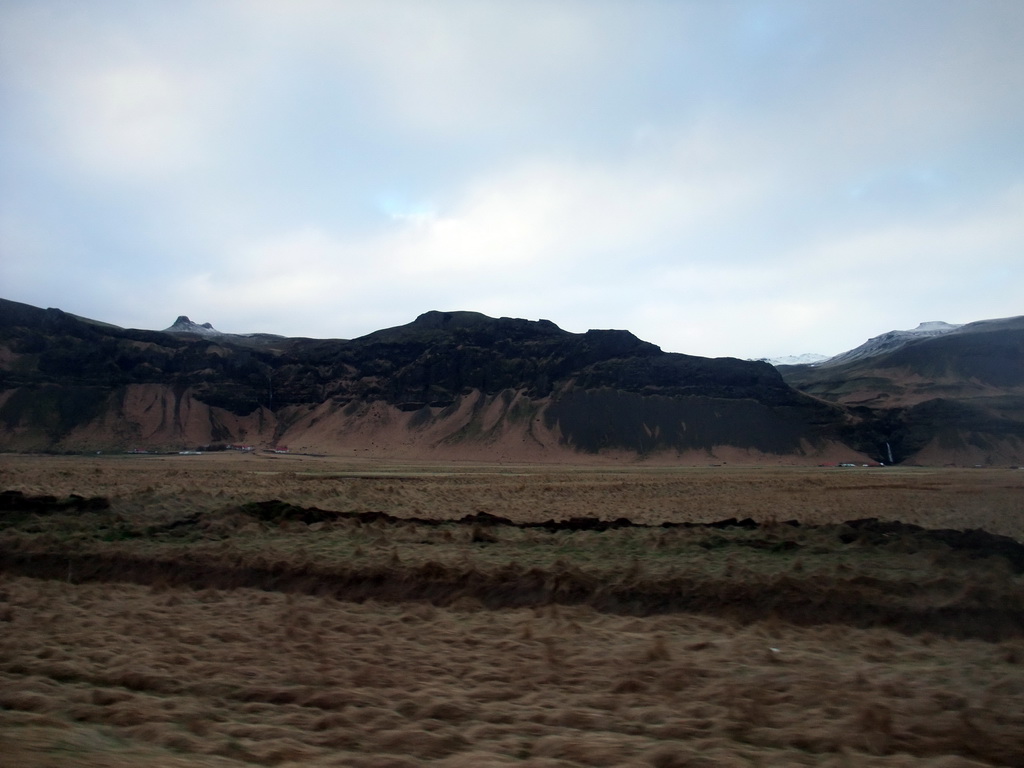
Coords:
890,341
184,325
933,328
807,358
878,345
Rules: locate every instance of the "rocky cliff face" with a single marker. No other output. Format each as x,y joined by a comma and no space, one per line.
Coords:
456,383
448,384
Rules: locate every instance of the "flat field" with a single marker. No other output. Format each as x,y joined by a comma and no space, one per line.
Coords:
234,610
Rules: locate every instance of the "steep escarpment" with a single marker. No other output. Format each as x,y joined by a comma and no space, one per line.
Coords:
460,383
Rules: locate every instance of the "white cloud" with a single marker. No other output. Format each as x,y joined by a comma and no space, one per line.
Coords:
447,68
562,216
134,122
133,98
322,167
926,252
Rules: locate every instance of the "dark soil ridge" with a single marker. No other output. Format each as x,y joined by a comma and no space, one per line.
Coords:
15,505
972,542
975,613
276,511
979,609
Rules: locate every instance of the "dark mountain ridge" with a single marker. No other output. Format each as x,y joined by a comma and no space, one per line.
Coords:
458,380
956,396
886,342
463,384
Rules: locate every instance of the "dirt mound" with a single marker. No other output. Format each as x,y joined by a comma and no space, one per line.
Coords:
972,542
862,602
15,505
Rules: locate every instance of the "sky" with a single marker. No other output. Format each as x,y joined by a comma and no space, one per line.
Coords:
722,178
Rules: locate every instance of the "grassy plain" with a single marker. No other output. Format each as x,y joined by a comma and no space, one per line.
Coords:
356,621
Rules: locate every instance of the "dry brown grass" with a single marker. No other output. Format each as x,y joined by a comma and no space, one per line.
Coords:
270,679
95,671
164,487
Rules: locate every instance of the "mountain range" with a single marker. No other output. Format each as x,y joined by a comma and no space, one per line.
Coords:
874,346
465,385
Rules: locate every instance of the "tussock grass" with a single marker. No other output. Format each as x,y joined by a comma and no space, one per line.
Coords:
821,574
157,489
457,683
230,641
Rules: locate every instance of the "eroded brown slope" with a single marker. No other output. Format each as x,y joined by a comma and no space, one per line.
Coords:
456,383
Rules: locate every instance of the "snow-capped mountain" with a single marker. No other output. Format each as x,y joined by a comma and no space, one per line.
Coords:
184,325
874,346
807,358
890,341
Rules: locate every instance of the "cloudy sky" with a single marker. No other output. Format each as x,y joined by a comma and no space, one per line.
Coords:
721,178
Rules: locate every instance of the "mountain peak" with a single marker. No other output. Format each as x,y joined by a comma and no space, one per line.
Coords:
890,341
807,358
184,325
933,326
